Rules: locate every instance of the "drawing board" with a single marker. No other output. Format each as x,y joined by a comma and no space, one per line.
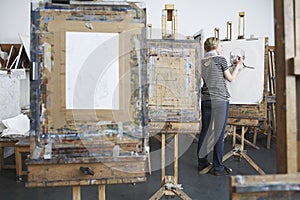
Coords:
248,86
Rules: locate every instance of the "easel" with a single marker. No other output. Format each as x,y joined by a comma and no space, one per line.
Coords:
247,116
170,186
237,150
272,95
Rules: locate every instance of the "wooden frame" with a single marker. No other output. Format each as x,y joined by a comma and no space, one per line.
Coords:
253,115
287,111
87,146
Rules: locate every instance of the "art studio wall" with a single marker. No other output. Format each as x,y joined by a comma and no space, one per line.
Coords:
192,16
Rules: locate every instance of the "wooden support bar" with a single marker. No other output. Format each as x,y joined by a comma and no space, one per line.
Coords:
176,159
3,144
229,30
181,194
246,141
158,194
163,154
252,186
242,138
76,193
19,149
234,136
286,137
217,32
252,163
241,25
296,61
169,185
101,192
254,136
295,65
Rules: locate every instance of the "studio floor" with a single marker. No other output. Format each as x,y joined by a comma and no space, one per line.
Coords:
195,185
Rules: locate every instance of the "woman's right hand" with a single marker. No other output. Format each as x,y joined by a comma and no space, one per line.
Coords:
240,61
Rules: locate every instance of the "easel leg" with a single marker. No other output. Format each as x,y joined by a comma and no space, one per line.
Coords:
234,136
149,160
176,159
163,154
18,158
238,150
254,136
1,157
169,183
181,194
76,192
158,194
101,192
242,138
252,163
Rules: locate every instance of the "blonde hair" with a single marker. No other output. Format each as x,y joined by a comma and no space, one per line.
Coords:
211,44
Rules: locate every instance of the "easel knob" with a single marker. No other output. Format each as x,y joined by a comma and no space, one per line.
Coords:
150,30
169,19
216,31
229,30
241,25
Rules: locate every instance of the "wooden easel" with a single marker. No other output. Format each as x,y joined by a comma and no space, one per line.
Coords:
248,116
272,95
237,150
257,116
170,186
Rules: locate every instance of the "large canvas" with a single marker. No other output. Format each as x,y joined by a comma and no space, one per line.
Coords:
248,86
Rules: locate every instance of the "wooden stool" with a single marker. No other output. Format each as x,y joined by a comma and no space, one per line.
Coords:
23,146
6,142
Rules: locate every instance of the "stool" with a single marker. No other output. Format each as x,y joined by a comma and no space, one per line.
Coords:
23,146
6,142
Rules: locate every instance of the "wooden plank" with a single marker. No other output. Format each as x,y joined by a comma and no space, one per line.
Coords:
285,86
163,156
263,195
176,159
6,143
101,192
243,121
86,182
41,175
297,38
18,159
297,71
76,193
266,183
291,103
280,87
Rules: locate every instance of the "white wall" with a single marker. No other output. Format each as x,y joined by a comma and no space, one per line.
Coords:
193,15
15,19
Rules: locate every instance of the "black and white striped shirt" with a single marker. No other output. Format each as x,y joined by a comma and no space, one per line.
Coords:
214,84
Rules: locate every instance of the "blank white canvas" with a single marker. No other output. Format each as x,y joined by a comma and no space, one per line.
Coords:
248,86
92,70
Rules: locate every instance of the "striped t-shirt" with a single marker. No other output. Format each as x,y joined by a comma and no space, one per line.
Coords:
214,84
